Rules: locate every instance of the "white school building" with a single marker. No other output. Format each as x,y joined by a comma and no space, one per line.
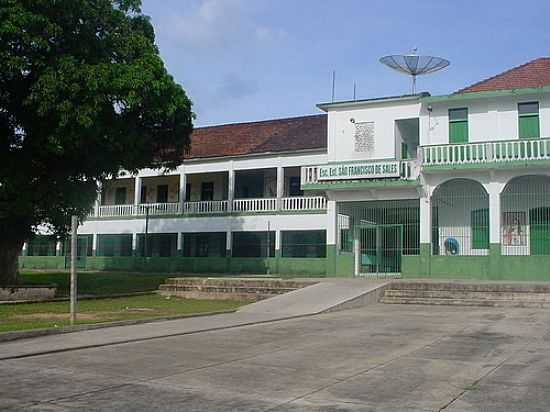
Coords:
453,186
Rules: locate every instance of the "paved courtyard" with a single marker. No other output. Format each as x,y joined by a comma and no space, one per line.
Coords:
378,358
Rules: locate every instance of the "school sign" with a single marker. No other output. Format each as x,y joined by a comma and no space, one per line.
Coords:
375,170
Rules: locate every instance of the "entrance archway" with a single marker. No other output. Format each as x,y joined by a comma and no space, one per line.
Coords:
460,218
525,216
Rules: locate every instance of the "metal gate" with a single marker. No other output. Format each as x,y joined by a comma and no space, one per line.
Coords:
380,248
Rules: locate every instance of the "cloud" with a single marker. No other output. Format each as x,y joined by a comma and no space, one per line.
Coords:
233,86
210,25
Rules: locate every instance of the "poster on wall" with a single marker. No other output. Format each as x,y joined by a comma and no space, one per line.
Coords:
513,226
364,138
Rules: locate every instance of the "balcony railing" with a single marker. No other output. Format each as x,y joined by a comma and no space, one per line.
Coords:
255,205
303,203
157,209
498,151
212,207
205,207
408,170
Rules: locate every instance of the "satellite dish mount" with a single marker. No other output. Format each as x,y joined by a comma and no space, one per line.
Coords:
414,65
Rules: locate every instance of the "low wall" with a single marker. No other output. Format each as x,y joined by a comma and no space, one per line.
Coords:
31,292
42,262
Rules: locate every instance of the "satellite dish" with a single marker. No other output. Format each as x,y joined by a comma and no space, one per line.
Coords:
414,64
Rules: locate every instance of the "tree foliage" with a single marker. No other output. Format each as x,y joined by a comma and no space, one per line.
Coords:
83,94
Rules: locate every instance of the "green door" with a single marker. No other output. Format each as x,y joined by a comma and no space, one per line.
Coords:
539,229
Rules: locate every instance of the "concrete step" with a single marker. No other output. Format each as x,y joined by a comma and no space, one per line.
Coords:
239,282
466,294
229,288
473,286
468,302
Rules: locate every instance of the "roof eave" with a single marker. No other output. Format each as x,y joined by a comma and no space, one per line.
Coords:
353,103
487,94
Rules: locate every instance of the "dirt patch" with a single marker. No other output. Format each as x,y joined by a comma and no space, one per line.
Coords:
88,316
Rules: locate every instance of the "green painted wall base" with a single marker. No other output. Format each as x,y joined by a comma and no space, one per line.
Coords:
493,266
42,262
276,265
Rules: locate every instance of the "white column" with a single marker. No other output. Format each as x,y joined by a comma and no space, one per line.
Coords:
137,190
494,189
94,244
280,186
98,200
332,223
24,251
180,244
230,188
228,244
277,242
134,244
356,255
58,247
426,216
183,189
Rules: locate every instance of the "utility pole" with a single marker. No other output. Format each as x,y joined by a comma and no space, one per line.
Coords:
74,226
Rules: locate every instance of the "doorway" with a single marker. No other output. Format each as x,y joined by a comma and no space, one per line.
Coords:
380,248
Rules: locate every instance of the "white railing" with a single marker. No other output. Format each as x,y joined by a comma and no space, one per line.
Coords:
408,170
255,205
205,207
304,203
296,203
158,209
116,210
497,151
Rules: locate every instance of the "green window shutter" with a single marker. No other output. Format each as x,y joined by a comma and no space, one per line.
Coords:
528,120
458,126
480,229
404,151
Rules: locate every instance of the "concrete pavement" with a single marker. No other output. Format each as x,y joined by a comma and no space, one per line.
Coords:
377,358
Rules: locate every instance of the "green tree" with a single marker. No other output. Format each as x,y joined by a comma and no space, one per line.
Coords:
83,94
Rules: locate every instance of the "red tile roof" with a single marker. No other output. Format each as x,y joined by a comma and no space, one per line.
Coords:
535,73
279,135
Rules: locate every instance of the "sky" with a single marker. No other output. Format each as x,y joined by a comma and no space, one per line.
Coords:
248,60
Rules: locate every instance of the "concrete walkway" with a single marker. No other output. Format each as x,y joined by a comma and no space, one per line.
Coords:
327,295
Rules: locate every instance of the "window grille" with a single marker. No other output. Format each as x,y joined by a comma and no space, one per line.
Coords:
304,243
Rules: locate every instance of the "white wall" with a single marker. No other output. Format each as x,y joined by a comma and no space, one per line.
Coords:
341,129
489,119
110,187
219,180
152,182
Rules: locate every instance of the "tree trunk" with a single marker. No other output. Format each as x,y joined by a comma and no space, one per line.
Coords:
9,260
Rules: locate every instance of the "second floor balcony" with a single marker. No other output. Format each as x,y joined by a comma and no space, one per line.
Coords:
499,153
216,193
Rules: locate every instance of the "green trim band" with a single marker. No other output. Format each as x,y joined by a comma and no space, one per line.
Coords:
351,184
509,164
488,94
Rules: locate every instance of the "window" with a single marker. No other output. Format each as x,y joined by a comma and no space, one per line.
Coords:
528,120
207,191
404,151
143,197
294,186
480,229
188,192
253,244
458,126
158,244
120,196
304,243
162,193
114,245
204,244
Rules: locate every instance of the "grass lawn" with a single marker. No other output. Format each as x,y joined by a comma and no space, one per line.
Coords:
98,283
55,314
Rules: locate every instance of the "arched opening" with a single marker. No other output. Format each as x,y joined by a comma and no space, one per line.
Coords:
460,219
525,216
